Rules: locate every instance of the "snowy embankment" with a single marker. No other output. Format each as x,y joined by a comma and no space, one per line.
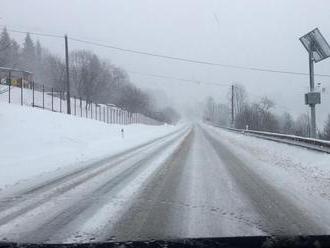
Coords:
300,174
35,142
52,102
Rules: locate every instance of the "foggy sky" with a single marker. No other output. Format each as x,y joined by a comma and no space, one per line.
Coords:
256,33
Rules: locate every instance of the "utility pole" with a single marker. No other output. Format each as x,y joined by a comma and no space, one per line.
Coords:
232,105
312,86
68,99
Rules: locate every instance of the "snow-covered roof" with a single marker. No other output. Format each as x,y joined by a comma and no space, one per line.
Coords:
15,70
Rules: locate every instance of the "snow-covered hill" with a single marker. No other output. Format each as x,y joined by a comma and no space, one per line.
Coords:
45,98
34,141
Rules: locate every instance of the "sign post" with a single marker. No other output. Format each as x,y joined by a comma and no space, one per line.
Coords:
318,49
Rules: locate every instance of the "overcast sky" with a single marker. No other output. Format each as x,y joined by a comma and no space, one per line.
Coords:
256,33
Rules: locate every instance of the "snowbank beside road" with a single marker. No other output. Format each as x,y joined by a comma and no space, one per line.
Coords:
300,174
35,141
285,156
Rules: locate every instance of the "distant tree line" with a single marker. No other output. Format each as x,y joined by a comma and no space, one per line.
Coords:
259,116
92,78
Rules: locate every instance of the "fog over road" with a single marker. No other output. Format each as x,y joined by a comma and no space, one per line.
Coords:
195,182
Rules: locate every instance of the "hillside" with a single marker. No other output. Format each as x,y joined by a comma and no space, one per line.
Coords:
35,141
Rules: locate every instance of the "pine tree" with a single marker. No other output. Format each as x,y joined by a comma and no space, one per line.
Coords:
5,44
38,69
9,50
38,52
28,54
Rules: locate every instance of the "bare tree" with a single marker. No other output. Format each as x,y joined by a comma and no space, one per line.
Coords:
222,114
52,72
209,112
326,130
266,104
287,124
86,74
302,125
92,78
258,116
240,98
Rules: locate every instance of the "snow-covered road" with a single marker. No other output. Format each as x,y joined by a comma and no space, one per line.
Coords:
197,181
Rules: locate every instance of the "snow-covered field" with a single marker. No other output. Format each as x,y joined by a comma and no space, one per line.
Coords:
34,141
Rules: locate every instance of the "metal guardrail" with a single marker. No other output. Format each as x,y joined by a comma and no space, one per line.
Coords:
309,143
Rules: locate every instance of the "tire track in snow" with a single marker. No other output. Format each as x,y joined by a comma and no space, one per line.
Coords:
142,154
280,216
8,194
191,196
17,203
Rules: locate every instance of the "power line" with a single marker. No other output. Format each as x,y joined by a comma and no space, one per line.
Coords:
187,60
195,61
201,82
132,72
34,33
177,79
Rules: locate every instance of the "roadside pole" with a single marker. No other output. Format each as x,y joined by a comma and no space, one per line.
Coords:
67,75
318,49
232,106
311,84
9,84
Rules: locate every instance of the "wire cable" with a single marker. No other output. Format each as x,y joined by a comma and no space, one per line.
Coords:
34,33
176,78
195,61
181,59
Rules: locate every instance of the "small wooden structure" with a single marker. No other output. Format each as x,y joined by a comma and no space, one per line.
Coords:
16,77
